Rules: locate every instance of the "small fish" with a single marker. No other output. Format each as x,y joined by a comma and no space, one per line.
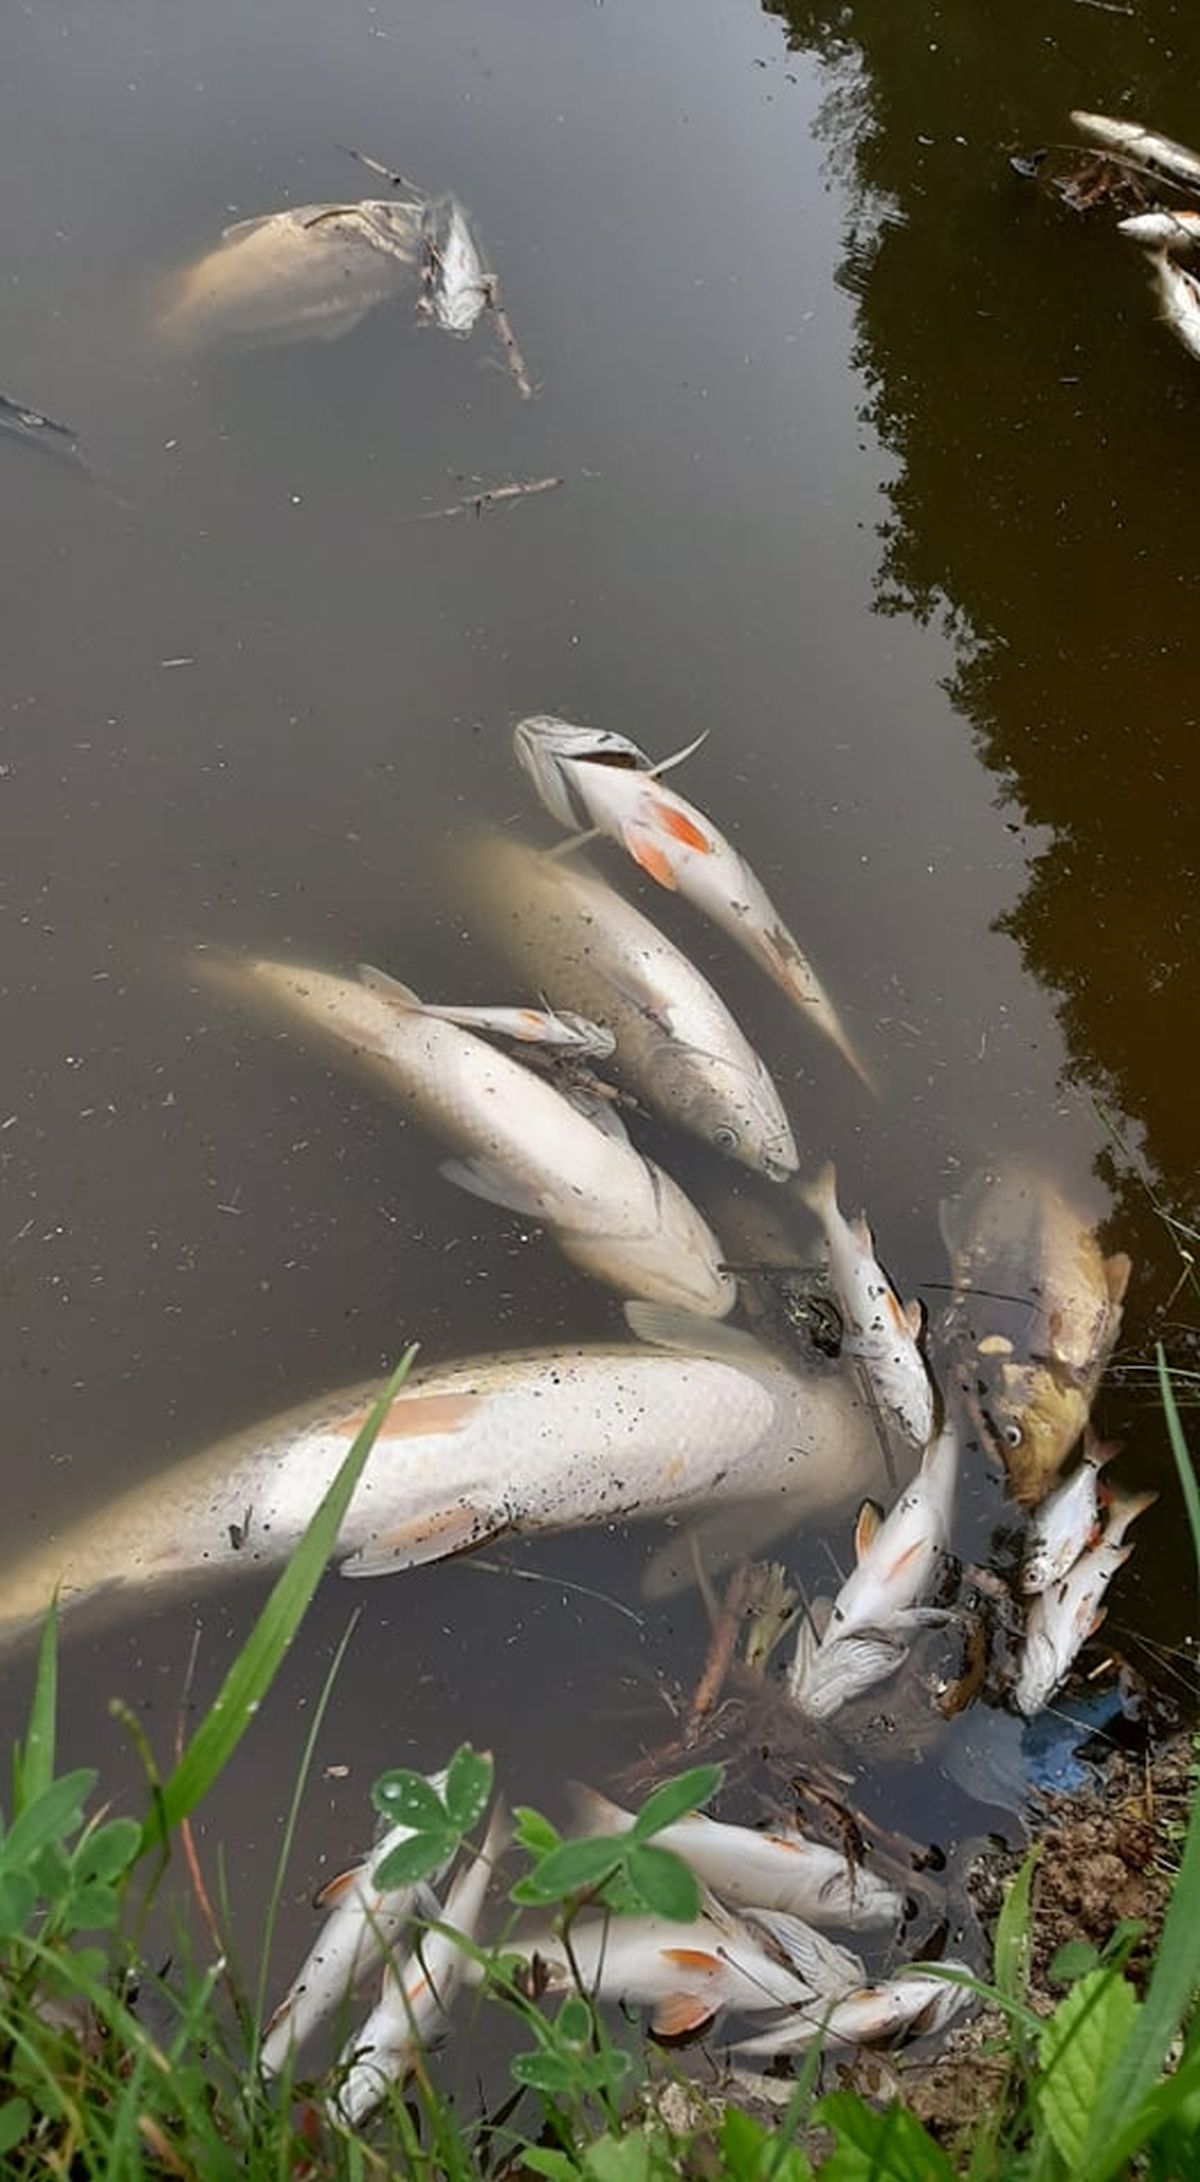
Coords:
363,1924
458,288
312,271
677,1045
1068,1521
911,2005
416,1997
879,1329
686,1974
492,1446
1063,1618
518,1142
780,1870
1180,293
557,1029
1162,229
1144,146
603,781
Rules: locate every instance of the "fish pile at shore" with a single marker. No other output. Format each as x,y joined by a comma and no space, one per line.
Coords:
1138,166
755,1429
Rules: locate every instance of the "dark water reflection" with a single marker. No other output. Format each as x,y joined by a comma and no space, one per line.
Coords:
861,442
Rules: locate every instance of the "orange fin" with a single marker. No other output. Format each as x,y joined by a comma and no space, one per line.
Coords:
415,1416
914,1317
646,852
1117,1270
910,1552
437,1536
681,827
692,1958
680,2014
331,1893
867,1528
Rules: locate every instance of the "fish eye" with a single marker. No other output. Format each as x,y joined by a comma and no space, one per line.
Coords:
726,1137
1013,1435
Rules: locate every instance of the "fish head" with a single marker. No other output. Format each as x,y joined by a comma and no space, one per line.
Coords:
1036,1414
547,749
678,1262
735,1108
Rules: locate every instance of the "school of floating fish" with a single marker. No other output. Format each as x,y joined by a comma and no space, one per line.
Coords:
1166,232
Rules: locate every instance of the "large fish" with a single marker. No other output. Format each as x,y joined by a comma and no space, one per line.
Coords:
518,1141
910,2005
1036,1313
313,271
1144,146
1062,1618
677,1045
587,778
499,1445
880,1330
1162,229
1180,294
685,1974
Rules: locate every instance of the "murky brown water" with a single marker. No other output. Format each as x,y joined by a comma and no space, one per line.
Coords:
877,467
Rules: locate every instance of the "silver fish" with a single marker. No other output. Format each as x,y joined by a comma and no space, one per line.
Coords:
498,1445
1180,293
310,271
912,2005
458,288
520,1143
1063,1618
684,1973
1144,146
557,1029
1067,1522
677,1045
1162,229
604,781
879,1329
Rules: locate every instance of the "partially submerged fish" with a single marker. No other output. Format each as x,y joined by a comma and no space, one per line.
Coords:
417,1994
780,1870
32,429
499,1445
1144,146
1068,1521
310,271
458,286
824,1677
911,2005
1036,1313
1180,293
588,778
521,1144
685,1974
878,1328
558,1029
1063,1618
363,1923
677,1045
1162,229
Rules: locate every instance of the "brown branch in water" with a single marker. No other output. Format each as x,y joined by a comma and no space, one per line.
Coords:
507,338
726,1632
491,496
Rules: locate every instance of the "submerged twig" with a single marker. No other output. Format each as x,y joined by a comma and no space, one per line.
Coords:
723,1644
490,496
506,337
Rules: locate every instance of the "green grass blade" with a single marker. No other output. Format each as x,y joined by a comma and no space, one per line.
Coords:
1176,1975
258,1662
33,1763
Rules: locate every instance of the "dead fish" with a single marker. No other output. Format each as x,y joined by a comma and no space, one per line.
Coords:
32,429
1038,1306
520,1143
880,1330
1144,146
417,1995
600,780
1063,1618
363,1923
458,286
677,1045
1162,229
313,271
685,1974
1180,293
489,1447
912,2005
781,1869
1068,1521
558,1029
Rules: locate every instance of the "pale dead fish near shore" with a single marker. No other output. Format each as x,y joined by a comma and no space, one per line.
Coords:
311,272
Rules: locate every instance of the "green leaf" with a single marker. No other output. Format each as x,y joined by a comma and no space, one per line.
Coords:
35,1770
261,1656
890,2146
574,2021
1078,2049
618,2159
415,1859
18,1895
1014,1928
676,1798
569,1869
750,2152
556,2166
407,1799
16,2121
109,1852
93,1907
1072,1960
664,1883
533,1832
548,2072
54,1813
469,1786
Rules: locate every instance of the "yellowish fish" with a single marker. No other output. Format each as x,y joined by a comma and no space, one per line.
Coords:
312,271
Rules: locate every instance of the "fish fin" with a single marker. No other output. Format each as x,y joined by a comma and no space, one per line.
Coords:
677,757
679,2014
437,1536
1125,1508
388,987
860,1228
485,1178
415,1416
651,858
597,1813
820,1195
867,1528
680,827
820,1962
1100,1615
914,1317
693,1958
664,1326
1097,1451
909,1554
328,1896
1117,1271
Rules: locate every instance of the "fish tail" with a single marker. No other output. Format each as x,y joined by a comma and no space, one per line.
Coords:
1124,1510
820,1195
1097,1451
390,988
